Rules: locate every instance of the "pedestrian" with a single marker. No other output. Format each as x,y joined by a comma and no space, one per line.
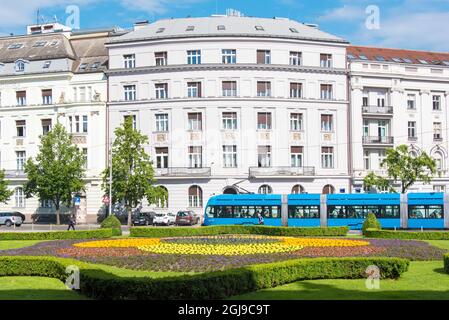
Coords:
72,222
260,219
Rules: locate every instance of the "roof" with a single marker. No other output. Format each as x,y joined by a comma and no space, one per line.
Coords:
56,46
398,55
91,54
225,26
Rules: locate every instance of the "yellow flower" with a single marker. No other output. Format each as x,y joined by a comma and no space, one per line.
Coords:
118,243
322,242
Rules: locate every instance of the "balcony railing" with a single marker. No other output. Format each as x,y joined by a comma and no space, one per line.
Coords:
377,109
281,171
378,140
15,174
183,172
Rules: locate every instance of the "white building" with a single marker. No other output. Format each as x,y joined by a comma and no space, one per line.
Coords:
235,104
398,97
53,75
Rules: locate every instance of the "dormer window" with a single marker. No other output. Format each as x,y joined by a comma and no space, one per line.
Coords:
20,65
293,30
221,27
47,64
54,43
15,46
260,28
95,66
160,30
190,28
83,66
40,44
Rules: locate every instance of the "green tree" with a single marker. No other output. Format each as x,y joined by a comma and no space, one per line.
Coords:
404,168
374,181
132,171
5,193
58,172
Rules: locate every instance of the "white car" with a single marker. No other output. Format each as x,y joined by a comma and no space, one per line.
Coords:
164,219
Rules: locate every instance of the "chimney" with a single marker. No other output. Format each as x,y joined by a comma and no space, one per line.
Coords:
140,24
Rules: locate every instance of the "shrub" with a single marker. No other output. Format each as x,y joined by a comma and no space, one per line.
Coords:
113,223
371,223
446,262
412,235
98,283
151,232
57,235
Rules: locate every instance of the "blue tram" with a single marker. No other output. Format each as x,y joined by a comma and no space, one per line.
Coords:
414,210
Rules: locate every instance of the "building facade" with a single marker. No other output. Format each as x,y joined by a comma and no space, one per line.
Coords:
398,97
234,104
53,75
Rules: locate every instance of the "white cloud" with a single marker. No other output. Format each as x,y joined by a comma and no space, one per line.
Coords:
344,13
157,6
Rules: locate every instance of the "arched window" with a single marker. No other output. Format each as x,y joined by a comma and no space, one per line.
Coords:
195,197
328,189
265,189
298,189
19,197
230,190
20,65
413,154
160,203
439,160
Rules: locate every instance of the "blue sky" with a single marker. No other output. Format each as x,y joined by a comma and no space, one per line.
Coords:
412,24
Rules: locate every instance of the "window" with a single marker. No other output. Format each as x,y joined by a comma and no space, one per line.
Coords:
229,88
195,197
129,61
21,128
130,92
265,189
295,90
195,121
82,94
20,66
133,119
160,30
230,156
85,158
263,56
194,89
264,156
83,66
161,158
328,189
436,102
438,161
327,123
19,196
46,204
293,30
365,100
21,159
295,58
46,64
194,57
366,160
229,56
95,65
221,27
326,92
296,153
411,101
190,28
298,189
162,122
439,188
85,124
161,90
15,46
426,212
229,120
47,96
263,89
78,124
437,135
161,58
325,60
195,157
327,157
412,130
259,28
296,121
40,44
382,155
46,126
21,97
264,120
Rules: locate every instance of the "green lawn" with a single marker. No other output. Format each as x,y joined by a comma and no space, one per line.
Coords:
444,244
16,244
35,288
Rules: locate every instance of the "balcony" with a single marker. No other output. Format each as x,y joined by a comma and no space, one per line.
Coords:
182,172
378,141
377,111
10,174
257,172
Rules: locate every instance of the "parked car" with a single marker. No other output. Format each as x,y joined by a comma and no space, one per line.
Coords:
143,218
187,218
9,218
19,214
164,219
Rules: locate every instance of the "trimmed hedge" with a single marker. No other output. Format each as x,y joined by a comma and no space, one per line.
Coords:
371,222
412,235
114,223
97,283
446,262
57,235
151,232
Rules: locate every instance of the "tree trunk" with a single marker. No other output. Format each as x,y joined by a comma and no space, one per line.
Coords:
58,221
129,215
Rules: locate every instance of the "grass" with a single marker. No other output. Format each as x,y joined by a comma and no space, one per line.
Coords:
16,244
443,244
425,280
35,288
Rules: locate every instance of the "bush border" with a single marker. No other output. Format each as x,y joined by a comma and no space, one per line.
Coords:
58,235
151,232
411,235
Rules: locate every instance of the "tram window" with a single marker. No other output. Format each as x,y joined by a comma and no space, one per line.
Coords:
304,212
361,212
425,212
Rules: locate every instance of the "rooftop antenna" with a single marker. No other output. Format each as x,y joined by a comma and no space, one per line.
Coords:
37,17
56,18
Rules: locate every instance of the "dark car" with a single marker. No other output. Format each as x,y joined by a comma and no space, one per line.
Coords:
143,218
186,218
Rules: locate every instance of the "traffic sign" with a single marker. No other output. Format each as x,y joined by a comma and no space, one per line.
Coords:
77,201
